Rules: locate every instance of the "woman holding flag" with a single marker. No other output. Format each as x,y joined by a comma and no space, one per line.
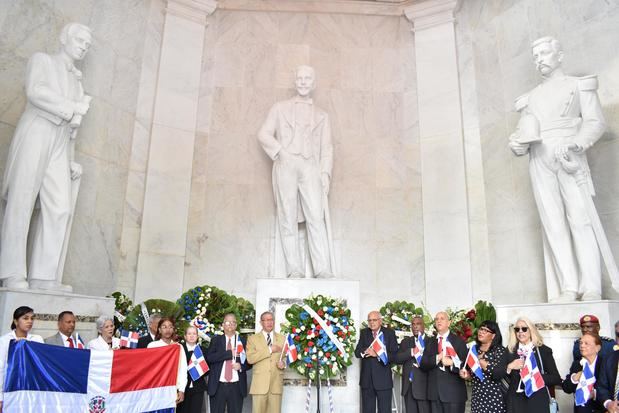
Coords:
486,365
194,391
105,340
532,370
166,330
584,374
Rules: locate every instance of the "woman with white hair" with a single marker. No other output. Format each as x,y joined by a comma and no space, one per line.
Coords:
524,339
106,339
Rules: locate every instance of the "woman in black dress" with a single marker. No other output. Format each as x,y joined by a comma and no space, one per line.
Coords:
590,346
523,339
194,391
487,394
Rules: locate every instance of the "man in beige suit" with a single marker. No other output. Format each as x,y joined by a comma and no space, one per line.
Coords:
264,352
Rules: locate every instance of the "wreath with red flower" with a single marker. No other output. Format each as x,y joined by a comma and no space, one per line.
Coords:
316,351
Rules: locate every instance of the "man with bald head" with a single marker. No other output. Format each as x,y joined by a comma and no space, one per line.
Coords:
376,381
446,390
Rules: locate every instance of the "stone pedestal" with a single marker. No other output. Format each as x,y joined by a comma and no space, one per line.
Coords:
277,295
48,304
558,325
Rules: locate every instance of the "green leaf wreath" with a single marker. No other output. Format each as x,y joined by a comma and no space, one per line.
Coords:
135,320
315,350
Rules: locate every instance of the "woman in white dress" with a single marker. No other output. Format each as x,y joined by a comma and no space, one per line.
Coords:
106,339
23,319
165,337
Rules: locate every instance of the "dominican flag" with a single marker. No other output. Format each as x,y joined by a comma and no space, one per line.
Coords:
197,366
240,350
129,339
584,389
451,352
79,343
378,345
46,378
531,376
472,361
290,350
420,346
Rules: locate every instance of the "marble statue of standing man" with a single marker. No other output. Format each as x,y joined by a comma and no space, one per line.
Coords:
297,136
40,164
560,120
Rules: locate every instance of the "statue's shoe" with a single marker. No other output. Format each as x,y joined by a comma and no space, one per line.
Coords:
565,297
16,282
51,286
296,274
591,297
325,274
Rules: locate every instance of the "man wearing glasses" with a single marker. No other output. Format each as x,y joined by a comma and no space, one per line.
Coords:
227,384
377,348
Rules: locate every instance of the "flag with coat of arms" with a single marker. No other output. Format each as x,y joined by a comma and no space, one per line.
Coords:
531,376
129,339
450,351
197,365
584,389
420,346
240,350
290,350
472,361
378,345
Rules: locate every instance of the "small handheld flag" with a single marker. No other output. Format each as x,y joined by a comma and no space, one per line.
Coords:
79,343
197,366
531,376
584,389
472,361
129,339
240,350
451,352
290,350
378,345
420,346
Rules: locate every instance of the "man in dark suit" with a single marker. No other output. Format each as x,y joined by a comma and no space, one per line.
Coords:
153,323
376,381
446,390
414,380
606,391
227,383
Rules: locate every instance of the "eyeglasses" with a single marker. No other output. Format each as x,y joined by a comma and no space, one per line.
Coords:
519,329
373,319
486,330
230,323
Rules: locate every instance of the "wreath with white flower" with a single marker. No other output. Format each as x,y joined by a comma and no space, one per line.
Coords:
316,349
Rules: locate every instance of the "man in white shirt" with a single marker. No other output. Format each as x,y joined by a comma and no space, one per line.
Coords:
264,353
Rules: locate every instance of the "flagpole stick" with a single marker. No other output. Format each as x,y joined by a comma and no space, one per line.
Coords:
317,385
281,354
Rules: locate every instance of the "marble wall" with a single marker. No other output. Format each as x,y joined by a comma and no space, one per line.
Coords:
104,146
366,82
494,45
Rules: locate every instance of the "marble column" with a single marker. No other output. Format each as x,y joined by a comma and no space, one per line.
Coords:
161,254
444,194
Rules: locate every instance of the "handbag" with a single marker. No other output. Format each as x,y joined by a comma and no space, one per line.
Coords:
553,405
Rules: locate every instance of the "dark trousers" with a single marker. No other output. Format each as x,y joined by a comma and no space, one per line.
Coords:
370,398
415,406
227,395
192,403
443,407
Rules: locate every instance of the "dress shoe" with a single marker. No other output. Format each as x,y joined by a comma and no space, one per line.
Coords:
17,282
591,297
565,297
50,286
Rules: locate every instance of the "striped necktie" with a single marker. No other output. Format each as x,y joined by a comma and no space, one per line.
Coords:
269,339
616,395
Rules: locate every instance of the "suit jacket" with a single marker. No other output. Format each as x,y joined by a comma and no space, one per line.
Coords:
538,402
445,386
374,374
144,341
200,384
608,376
56,340
266,376
419,385
277,132
215,357
592,406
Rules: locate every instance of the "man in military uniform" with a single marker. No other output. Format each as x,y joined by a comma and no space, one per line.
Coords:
561,119
591,324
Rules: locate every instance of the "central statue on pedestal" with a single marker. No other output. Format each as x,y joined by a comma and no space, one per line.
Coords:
297,136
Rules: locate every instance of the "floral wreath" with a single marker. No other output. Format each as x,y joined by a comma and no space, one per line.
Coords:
315,349
122,306
466,322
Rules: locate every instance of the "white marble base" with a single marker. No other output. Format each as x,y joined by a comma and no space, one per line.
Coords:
276,295
48,304
558,325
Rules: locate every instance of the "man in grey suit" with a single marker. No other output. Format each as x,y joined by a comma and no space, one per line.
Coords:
66,327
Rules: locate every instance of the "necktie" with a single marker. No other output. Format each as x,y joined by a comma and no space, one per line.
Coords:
374,333
228,363
70,340
269,340
440,344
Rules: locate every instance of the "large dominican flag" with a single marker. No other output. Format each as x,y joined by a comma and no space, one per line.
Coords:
46,378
